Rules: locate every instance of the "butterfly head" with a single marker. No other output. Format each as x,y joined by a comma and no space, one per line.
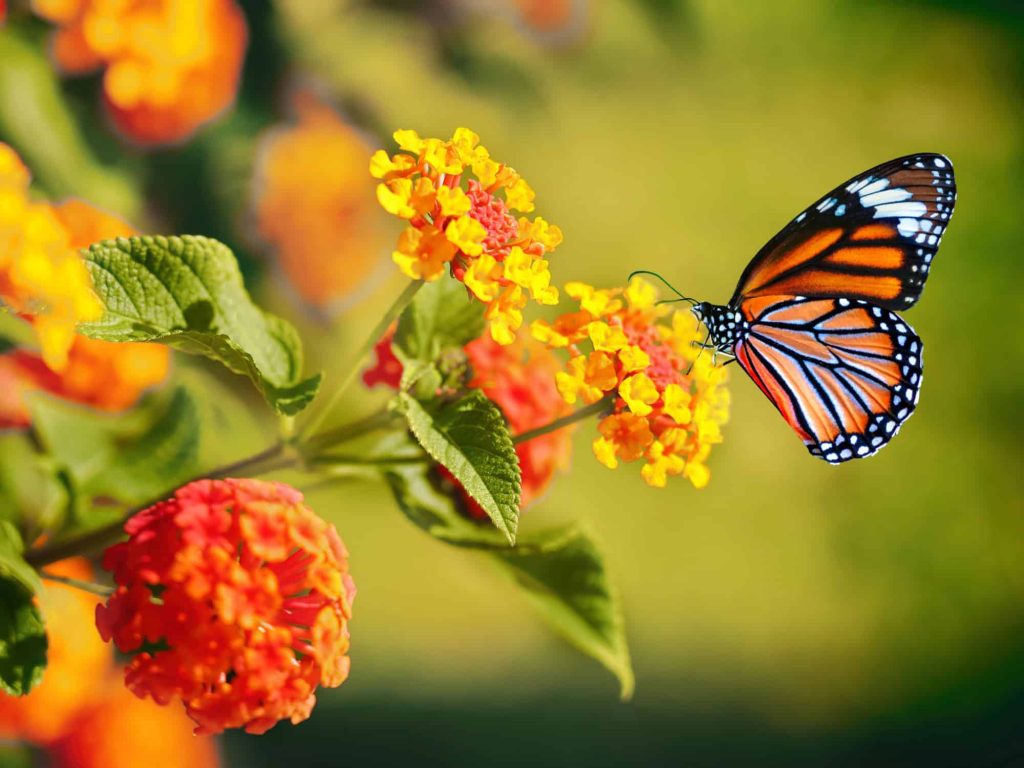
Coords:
725,324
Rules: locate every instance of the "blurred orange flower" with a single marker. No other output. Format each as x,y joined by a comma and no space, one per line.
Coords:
78,661
314,205
124,731
41,272
101,374
171,65
670,402
247,594
469,231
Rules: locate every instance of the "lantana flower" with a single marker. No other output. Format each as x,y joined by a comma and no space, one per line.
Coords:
669,401
234,597
314,206
105,375
41,273
169,65
520,379
458,202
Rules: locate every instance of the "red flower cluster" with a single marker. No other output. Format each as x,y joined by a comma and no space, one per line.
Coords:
520,379
234,597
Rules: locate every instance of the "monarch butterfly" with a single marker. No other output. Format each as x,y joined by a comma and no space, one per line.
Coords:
813,319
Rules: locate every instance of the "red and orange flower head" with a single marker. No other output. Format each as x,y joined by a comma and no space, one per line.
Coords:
170,65
669,402
234,597
520,379
458,203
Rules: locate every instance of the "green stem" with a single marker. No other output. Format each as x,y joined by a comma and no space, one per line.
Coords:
267,460
583,413
351,431
375,335
85,586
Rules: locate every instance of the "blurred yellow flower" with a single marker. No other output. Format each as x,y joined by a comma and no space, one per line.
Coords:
171,65
41,273
669,402
430,184
313,205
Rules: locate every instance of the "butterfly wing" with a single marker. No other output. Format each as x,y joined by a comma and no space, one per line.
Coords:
872,238
844,373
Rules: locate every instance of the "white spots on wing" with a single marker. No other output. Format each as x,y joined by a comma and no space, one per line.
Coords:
824,205
940,163
912,208
856,186
896,195
801,217
875,186
840,210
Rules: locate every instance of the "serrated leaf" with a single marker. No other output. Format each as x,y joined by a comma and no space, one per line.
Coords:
22,640
563,575
470,439
441,316
130,457
188,292
561,570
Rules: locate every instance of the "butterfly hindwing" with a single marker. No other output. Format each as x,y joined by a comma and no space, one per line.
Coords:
844,373
872,238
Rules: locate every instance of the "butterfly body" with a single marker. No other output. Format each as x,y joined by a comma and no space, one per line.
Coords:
813,319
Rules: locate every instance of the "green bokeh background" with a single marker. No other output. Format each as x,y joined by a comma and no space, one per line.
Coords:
791,613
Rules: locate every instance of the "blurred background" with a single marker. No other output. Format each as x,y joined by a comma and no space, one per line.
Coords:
791,613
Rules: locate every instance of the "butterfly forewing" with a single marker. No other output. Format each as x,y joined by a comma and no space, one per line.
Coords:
844,373
872,238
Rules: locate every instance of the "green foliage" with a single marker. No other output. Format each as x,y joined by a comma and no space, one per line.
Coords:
22,632
129,458
469,437
32,495
441,317
560,570
188,292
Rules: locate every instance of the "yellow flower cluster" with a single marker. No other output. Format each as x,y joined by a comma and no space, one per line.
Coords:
448,192
41,274
669,402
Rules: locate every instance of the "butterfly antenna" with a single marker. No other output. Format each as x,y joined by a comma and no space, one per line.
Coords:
671,287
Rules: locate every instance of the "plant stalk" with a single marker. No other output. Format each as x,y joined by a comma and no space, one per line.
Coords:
593,409
378,331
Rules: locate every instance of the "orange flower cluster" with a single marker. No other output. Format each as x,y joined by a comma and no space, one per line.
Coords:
234,597
101,374
520,379
171,65
468,229
312,204
80,714
41,273
669,402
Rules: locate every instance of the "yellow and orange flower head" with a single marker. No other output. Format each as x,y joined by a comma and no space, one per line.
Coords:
170,65
41,273
669,401
313,205
234,597
458,203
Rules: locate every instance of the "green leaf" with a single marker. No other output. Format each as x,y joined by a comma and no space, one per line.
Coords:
130,457
563,576
469,437
22,633
12,565
561,570
32,494
442,316
188,292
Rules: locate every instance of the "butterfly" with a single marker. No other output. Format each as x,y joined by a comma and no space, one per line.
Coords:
813,320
